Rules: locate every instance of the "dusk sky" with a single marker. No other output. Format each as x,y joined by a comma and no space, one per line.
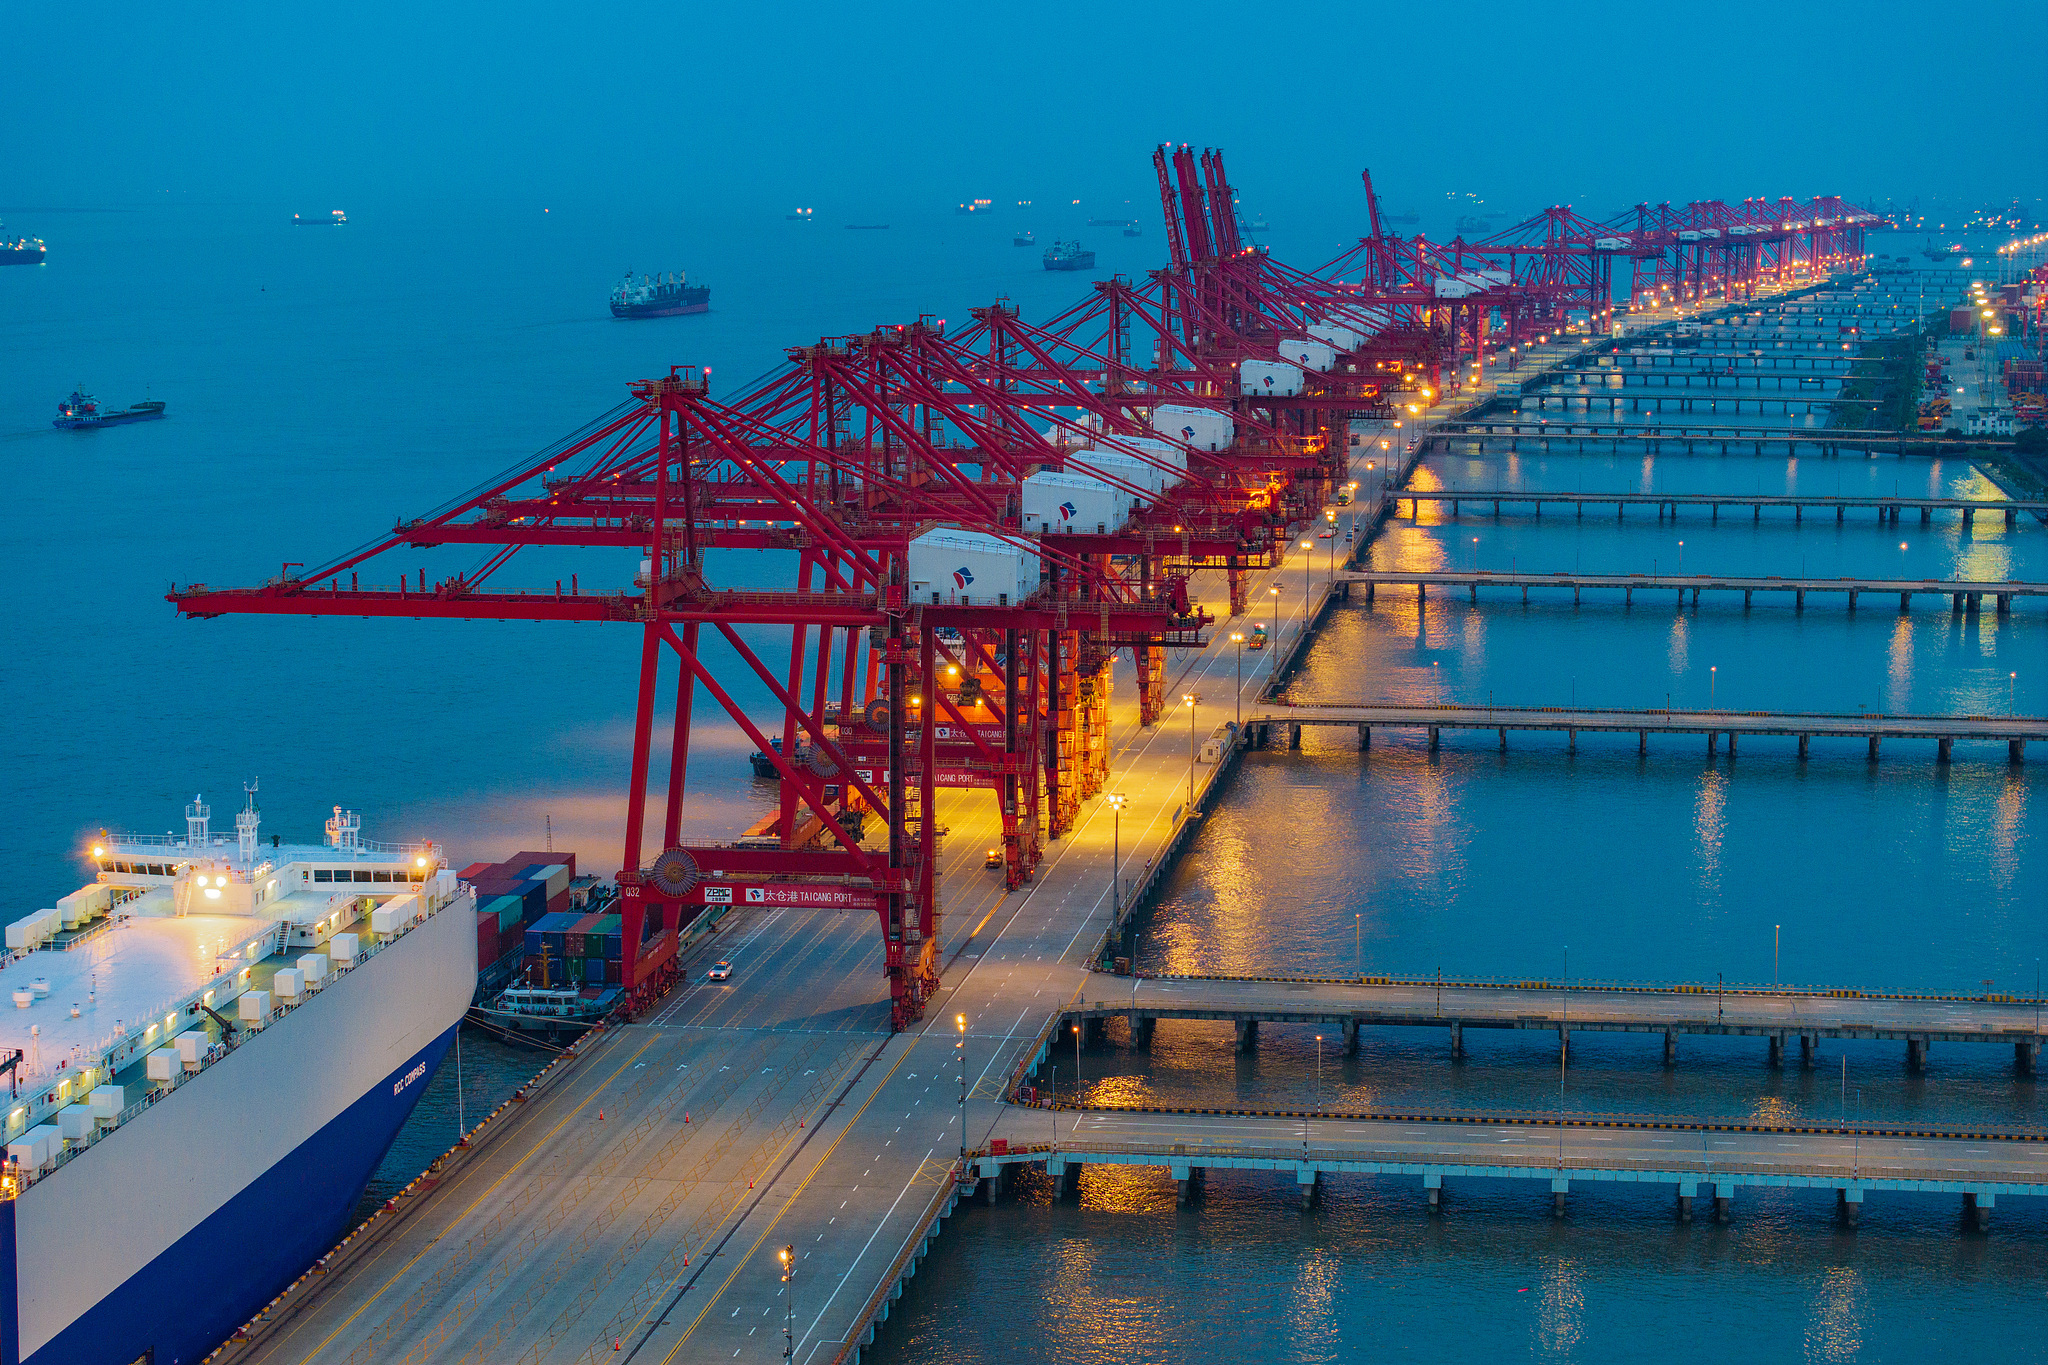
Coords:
888,105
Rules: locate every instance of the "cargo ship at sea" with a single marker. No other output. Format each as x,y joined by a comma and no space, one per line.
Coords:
662,296
1069,256
212,1043
21,251
334,219
81,411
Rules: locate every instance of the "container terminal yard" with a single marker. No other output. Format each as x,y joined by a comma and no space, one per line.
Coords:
985,523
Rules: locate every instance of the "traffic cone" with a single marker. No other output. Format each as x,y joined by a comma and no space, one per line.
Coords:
600,1115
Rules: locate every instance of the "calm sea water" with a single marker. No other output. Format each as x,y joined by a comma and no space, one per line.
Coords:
324,383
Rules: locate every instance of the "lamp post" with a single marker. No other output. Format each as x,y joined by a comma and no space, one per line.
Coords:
1275,590
1319,1071
1713,680
1237,643
960,1020
1306,564
1190,698
788,1258
1358,945
1564,1045
1077,1074
1116,852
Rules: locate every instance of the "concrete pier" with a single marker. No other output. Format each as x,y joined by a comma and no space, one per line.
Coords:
1628,585
1571,723
1669,504
1342,1006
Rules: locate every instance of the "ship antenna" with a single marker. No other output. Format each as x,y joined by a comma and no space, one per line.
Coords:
246,822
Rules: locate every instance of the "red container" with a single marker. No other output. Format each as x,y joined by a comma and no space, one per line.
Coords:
613,972
486,940
527,859
475,870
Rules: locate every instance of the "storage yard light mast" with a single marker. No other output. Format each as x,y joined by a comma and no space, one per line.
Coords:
980,521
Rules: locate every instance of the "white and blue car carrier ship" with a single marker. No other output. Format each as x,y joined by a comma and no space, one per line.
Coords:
207,1051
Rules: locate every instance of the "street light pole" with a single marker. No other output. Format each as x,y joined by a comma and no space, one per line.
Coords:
1116,854
1237,642
1307,563
961,1047
788,1257
1190,698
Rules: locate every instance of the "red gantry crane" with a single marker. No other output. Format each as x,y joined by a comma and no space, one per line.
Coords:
981,523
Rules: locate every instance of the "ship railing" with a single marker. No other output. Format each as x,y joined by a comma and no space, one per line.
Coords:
371,945
363,848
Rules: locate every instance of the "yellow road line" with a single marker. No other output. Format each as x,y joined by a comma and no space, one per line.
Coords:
471,1207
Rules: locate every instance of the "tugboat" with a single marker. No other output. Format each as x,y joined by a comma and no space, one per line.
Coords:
1024,238
1069,256
21,251
664,297
554,1015
334,219
82,410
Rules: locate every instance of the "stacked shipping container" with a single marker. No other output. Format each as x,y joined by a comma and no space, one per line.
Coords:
567,949
512,895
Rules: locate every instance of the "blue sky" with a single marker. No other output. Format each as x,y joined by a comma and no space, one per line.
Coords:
868,107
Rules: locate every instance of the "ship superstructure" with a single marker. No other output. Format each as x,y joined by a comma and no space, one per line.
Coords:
210,1046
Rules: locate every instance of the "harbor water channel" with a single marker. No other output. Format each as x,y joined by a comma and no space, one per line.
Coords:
1580,863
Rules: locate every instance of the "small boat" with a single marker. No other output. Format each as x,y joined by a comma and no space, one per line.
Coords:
334,219
800,216
21,251
867,227
1258,224
1024,238
1133,231
1069,256
1112,222
81,410
554,1014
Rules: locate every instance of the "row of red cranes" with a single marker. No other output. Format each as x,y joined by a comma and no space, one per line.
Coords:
982,521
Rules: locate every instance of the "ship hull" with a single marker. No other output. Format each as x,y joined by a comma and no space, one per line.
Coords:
110,419
21,255
1073,263
173,1230
659,310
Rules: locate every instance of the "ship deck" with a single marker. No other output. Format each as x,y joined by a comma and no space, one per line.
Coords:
118,979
